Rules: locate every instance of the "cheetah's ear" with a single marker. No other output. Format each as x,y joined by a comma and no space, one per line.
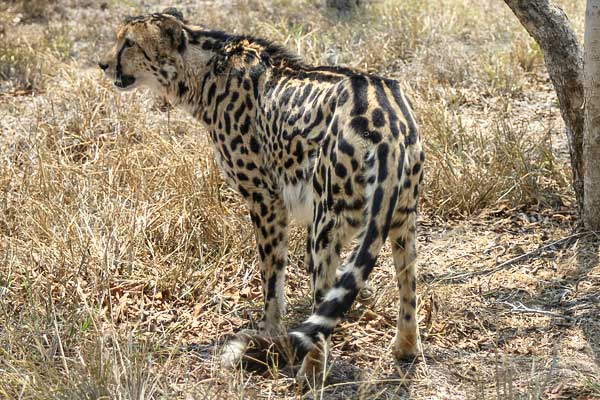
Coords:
174,12
173,30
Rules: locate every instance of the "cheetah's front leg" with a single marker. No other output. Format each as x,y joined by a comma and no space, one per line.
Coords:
269,217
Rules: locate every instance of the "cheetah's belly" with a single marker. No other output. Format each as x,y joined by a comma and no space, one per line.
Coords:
298,200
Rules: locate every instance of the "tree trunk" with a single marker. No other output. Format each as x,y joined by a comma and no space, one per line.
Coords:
550,28
591,141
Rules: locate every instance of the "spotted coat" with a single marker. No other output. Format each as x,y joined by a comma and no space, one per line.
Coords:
336,149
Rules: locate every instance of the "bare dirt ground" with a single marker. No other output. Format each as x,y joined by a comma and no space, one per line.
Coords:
125,261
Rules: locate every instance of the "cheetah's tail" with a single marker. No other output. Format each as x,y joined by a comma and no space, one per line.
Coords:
304,341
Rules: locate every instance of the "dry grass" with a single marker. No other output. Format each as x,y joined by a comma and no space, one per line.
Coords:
124,259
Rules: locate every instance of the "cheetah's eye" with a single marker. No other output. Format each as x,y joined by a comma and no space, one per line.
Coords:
128,43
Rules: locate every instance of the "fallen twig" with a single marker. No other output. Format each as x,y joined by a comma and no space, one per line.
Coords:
462,276
522,308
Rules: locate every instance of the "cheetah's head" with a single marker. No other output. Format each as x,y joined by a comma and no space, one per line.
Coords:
147,51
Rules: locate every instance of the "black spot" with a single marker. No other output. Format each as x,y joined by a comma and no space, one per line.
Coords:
257,197
347,281
359,90
342,98
340,170
278,263
254,145
211,92
322,239
254,218
382,154
317,187
365,260
329,197
318,296
245,127
360,125
416,168
376,202
239,112
299,152
345,147
348,188
235,143
335,308
373,136
271,287
334,125
402,126
268,249
227,123
182,88
390,212
394,129
263,210
378,118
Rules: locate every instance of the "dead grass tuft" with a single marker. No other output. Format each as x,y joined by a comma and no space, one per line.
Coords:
472,169
29,54
37,11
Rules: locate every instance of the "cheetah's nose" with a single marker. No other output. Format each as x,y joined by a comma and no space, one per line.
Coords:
103,66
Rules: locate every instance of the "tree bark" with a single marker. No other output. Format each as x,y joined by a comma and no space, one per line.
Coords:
550,28
591,141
